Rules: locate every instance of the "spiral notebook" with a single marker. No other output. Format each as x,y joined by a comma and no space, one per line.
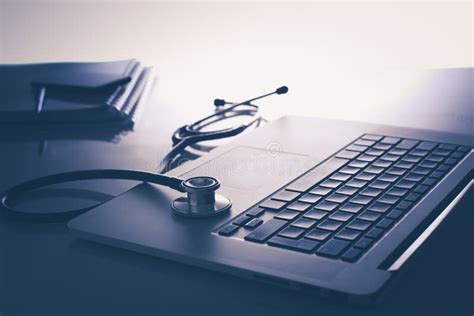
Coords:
73,92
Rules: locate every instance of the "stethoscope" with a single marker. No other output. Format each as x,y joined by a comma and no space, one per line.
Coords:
201,199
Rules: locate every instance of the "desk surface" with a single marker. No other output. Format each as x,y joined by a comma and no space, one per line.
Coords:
44,269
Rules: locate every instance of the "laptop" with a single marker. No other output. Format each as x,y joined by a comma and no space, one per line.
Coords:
335,206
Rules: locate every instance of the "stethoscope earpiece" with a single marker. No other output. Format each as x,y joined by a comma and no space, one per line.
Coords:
201,199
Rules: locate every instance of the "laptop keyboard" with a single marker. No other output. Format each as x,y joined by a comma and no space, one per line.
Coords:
343,206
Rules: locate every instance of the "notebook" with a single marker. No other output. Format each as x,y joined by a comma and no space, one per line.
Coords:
72,91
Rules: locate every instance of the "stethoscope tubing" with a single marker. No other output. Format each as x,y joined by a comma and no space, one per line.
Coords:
142,176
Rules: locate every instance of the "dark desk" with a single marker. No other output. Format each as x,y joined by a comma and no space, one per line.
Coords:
43,269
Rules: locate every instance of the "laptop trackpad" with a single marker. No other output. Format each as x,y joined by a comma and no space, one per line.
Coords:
254,169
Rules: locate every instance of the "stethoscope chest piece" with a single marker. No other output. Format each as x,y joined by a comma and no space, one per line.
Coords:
201,199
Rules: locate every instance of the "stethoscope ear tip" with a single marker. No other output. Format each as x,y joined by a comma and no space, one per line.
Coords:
219,102
282,90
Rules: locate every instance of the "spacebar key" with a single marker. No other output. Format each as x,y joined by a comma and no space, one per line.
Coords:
266,230
323,170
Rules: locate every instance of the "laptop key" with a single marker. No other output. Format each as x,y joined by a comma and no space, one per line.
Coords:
371,192
444,167
337,198
421,170
385,223
421,189
411,158
413,177
341,216
382,146
426,145
303,245
356,148
374,233
441,152
451,161
347,190
272,204
379,207
349,171
265,231
428,164
254,223
435,158
359,224
404,164
304,223
450,147
364,142
404,205
407,144
365,176
375,152
430,181
351,207
388,177
405,184
397,151
285,196
228,230
456,155
382,163
291,232
329,225
375,170
364,243
390,140
287,215
310,198
348,234
318,234
358,164
256,212
419,153
330,184
396,171
326,206
390,157
361,199
397,191
367,158
412,197
340,176
437,174
388,199
395,214
356,183
242,220
298,206
320,191
372,137
315,214
352,255
381,185
346,154
369,216
333,248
